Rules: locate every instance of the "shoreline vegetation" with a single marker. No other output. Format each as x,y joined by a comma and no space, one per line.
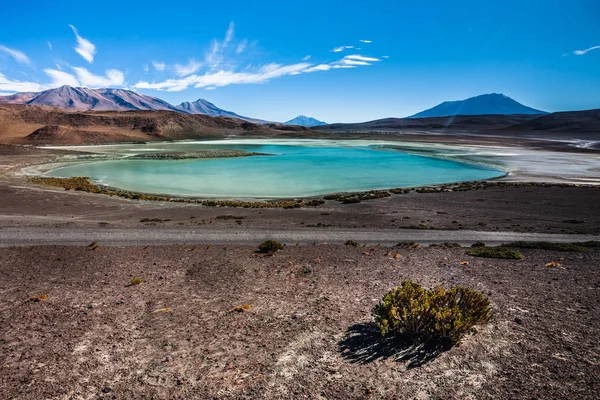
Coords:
84,184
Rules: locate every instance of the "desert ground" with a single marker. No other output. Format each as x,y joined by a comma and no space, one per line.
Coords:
307,330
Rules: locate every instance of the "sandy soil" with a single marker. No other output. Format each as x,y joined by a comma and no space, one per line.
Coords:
307,334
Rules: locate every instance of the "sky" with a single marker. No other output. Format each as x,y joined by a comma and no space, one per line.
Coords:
337,61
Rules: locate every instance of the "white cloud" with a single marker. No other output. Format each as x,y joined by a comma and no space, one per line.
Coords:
225,78
113,77
346,61
187,69
19,86
365,41
341,48
214,58
320,67
19,56
306,58
159,66
229,34
85,48
582,52
49,45
358,57
242,46
60,78
385,56
146,68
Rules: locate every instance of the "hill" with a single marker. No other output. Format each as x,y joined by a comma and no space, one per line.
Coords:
587,121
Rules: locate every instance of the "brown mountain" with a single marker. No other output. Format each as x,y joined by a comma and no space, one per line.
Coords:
83,99
45,125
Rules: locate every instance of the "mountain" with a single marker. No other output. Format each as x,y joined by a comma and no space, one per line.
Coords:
84,99
27,124
18,98
303,120
205,107
486,104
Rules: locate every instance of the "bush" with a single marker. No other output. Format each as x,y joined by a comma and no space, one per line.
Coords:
136,281
495,252
269,247
352,243
478,244
574,247
436,314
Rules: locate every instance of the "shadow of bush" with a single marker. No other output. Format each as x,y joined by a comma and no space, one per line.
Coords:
363,344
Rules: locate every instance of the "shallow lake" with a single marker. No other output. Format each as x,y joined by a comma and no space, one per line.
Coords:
294,169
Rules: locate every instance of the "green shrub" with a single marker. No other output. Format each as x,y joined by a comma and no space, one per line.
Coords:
574,247
136,281
433,314
478,244
495,252
352,243
269,247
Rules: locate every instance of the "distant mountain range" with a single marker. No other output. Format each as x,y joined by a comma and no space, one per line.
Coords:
303,120
84,99
486,104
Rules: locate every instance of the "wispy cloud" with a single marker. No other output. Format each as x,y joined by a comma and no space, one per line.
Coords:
365,41
112,77
357,60
213,79
241,46
49,45
19,56
582,52
229,34
60,78
85,48
9,85
146,68
158,65
306,58
187,69
83,77
225,78
341,48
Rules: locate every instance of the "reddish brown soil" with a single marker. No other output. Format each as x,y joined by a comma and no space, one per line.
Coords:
307,334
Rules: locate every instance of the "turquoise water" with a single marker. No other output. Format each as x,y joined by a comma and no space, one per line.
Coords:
295,170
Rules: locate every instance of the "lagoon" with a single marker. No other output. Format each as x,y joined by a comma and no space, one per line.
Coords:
294,168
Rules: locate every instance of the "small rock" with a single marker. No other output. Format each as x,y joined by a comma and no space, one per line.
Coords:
106,389
518,321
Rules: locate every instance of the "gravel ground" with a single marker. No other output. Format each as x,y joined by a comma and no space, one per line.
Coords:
306,335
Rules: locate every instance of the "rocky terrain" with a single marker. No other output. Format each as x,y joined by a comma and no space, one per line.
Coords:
214,321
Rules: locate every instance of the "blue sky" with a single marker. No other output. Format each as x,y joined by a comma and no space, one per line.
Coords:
333,60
